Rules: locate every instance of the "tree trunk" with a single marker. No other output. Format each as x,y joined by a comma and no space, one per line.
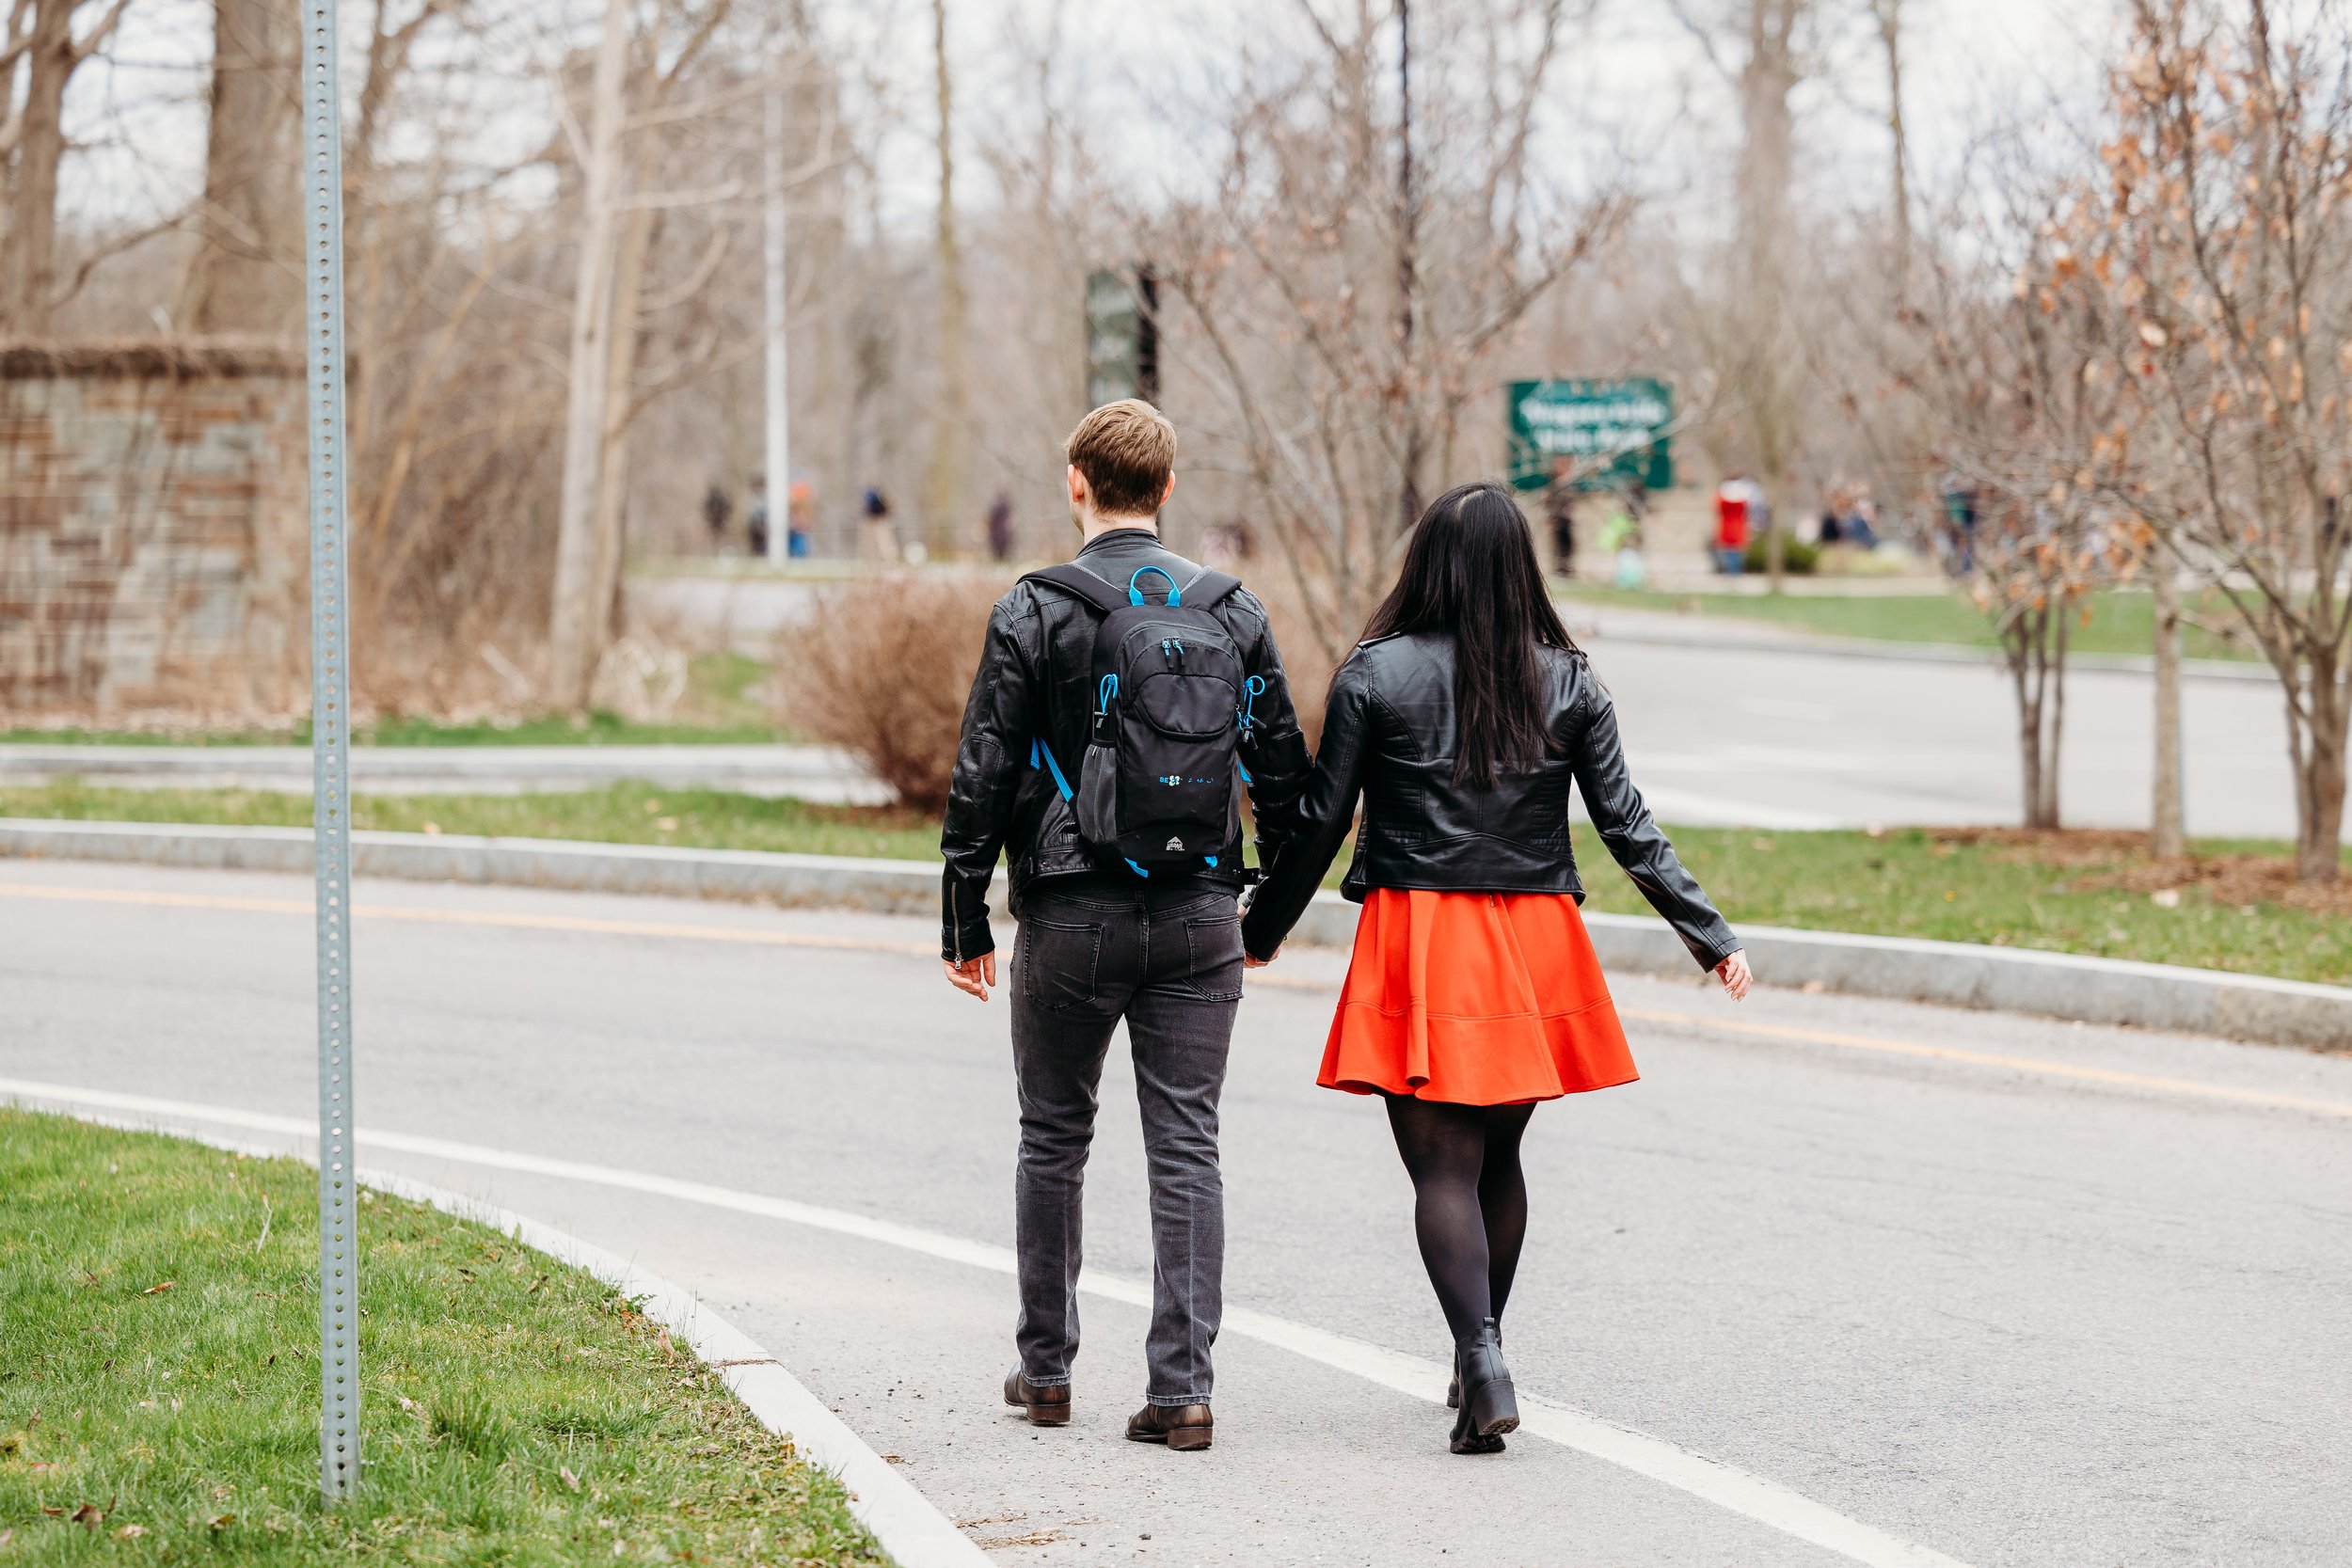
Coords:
1407,275
576,621
2054,712
1890,18
245,276
628,280
2167,831
942,483
32,238
2319,779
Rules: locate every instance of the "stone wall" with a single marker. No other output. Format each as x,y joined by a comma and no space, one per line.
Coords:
154,530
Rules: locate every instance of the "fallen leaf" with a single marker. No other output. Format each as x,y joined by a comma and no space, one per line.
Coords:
131,1533
569,1480
221,1521
41,1466
88,1514
54,1512
158,1290
11,1442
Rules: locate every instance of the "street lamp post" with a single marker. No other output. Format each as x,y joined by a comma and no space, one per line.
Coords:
330,751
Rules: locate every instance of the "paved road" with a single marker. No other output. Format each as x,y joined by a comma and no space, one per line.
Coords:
1758,736
2016,1314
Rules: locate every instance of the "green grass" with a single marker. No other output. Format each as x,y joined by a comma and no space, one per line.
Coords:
2077,893
722,706
159,1366
2122,621
619,814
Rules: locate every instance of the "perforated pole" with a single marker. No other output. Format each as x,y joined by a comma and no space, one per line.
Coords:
331,753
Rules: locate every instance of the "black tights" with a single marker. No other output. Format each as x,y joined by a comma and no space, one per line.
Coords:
1470,1200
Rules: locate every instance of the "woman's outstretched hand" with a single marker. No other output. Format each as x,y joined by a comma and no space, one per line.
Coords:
1733,973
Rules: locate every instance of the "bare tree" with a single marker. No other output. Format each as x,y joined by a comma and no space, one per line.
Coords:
2022,410
42,36
2217,233
1294,289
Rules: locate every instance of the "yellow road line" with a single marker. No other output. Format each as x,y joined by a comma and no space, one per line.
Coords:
1992,1059
2041,1067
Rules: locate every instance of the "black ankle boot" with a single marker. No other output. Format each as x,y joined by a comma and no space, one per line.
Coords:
1490,1406
1453,1389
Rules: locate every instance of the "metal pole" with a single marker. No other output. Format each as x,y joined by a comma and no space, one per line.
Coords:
779,457
331,753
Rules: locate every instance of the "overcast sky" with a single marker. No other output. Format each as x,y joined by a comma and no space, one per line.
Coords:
1635,73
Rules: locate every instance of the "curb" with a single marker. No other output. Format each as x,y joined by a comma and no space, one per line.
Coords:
2004,979
910,1528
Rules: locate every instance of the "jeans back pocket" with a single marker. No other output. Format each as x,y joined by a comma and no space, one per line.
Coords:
1213,945
1058,963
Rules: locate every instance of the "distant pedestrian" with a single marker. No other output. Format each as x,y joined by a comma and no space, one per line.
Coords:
1734,518
1462,720
1560,511
882,535
1960,513
717,511
755,521
800,517
1000,528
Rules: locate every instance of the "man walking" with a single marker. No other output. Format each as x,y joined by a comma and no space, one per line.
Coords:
1103,936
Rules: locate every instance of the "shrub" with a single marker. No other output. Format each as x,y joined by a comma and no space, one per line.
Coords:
882,668
1801,559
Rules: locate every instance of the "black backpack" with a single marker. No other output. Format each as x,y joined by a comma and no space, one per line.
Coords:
1160,785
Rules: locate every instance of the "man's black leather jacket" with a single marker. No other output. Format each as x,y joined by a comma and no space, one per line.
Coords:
1388,735
1036,680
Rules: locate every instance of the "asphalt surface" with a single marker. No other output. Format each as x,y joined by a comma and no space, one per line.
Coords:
2055,1302
1770,734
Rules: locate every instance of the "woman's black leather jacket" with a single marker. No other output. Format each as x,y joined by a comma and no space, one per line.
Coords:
1388,734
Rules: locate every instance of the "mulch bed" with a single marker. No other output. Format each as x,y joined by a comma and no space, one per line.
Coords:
2117,858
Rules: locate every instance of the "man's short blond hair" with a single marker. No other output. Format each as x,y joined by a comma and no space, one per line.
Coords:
1126,449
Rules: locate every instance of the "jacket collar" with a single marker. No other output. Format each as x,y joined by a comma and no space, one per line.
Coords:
1120,539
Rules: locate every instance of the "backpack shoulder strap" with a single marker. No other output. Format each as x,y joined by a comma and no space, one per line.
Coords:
1209,589
1075,579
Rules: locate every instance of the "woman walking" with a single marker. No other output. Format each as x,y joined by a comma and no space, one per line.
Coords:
1462,719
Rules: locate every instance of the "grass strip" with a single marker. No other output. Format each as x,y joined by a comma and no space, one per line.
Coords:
2230,905
159,1386
725,702
2122,621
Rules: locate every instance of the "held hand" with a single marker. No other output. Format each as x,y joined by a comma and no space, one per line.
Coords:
1733,973
1248,962
974,976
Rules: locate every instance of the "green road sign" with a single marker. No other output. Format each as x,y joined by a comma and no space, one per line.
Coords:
1613,432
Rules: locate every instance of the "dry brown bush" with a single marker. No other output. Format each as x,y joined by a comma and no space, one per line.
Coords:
881,669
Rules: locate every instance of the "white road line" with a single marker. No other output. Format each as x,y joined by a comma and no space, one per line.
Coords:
1735,1490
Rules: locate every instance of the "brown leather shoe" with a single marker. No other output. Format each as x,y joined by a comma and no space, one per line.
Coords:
1047,1407
1180,1426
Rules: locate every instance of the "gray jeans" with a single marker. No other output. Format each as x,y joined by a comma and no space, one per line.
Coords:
1169,961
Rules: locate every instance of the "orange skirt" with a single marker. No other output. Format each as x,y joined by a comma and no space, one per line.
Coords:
1476,999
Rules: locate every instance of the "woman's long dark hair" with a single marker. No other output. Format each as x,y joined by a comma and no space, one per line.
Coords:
1471,573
